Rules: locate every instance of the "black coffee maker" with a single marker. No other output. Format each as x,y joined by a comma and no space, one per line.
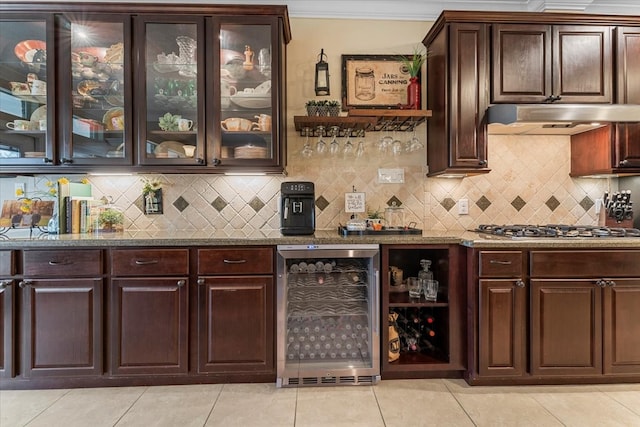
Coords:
297,208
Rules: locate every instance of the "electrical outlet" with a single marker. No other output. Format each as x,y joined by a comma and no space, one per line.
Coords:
391,176
463,207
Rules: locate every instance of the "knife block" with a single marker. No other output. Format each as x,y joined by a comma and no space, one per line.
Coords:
625,223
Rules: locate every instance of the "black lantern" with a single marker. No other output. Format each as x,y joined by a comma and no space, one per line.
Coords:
322,75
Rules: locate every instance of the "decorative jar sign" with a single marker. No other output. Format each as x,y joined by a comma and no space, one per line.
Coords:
365,87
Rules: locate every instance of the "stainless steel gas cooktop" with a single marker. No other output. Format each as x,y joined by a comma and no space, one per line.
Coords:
556,230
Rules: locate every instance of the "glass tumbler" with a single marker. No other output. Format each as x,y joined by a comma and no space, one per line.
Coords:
415,289
430,289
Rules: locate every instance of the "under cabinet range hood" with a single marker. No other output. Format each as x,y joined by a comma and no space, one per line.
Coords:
556,119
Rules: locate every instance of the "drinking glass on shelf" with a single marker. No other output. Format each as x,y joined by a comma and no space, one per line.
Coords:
396,146
414,287
334,147
321,145
430,289
307,151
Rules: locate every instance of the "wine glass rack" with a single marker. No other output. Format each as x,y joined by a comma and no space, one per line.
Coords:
358,121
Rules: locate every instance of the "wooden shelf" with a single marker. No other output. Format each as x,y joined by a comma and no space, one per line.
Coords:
362,120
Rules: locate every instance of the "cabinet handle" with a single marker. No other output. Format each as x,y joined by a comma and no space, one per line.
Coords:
4,284
24,283
602,283
200,282
146,262
64,262
495,261
181,283
520,283
234,261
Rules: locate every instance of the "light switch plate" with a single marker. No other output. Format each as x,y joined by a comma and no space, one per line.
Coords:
391,176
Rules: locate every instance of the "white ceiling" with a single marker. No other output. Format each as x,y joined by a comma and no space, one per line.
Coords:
430,9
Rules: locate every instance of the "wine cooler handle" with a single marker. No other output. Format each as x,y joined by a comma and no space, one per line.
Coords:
376,307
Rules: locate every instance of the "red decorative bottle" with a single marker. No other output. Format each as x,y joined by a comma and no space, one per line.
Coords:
413,94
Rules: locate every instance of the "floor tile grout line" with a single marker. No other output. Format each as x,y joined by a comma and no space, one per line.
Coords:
375,395
533,396
146,388
459,403
214,405
45,409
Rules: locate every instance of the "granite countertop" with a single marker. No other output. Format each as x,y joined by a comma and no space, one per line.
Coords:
135,238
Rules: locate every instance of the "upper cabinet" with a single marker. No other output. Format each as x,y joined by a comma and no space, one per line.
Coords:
167,88
551,63
457,86
628,61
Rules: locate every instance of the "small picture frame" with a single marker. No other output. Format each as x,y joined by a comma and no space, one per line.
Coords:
374,81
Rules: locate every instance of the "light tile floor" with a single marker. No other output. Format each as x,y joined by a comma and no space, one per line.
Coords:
398,403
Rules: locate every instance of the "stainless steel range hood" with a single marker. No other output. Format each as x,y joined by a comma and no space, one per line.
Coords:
556,119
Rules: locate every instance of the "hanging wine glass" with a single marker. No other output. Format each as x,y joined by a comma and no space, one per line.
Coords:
334,147
307,151
396,146
415,143
385,142
360,149
348,145
321,145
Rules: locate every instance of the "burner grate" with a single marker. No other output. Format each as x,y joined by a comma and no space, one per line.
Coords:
555,231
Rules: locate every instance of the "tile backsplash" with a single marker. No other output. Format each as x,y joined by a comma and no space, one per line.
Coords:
529,183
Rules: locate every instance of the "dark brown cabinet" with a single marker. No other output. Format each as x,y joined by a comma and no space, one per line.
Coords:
61,319
628,62
457,94
611,149
7,313
236,311
552,63
437,327
148,327
502,314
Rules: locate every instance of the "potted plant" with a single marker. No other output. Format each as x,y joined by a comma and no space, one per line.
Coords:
374,219
412,65
312,108
111,219
323,107
334,108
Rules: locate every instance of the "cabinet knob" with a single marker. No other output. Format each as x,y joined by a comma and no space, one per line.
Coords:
482,162
216,162
66,161
200,281
611,283
623,163
181,283
602,283
200,161
24,283
47,160
4,284
520,283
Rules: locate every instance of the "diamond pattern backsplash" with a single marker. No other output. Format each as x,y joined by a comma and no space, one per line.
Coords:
529,183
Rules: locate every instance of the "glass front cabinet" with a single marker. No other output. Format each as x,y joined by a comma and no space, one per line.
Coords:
192,88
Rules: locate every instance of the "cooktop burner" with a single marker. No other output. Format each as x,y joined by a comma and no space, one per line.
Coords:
556,230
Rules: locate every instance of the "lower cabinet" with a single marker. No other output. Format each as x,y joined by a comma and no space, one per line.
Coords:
581,308
236,310
149,312
7,322
61,327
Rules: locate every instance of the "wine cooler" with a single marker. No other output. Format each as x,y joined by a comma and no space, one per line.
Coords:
328,315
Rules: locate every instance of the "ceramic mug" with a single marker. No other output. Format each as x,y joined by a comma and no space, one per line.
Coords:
263,124
234,124
226,91
184,125
19,125
38,87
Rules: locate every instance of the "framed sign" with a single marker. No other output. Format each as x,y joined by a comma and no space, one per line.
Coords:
374,81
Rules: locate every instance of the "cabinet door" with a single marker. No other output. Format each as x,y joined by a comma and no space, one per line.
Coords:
149,326
62,327
26,126
235,324
628,64
94,72
7,322
566,327
247,93
502,328
170,78
583,63
628,145
621,331
521,69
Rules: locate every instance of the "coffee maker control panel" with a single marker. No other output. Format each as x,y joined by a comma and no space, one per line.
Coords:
297,187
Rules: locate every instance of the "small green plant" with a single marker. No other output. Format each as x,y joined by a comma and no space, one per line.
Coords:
374,214
169,122
311,103
333,103
150,185
110,218
413,63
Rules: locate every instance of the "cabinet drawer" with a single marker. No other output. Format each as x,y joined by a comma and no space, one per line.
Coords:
7,263
52,263
235,261
576,264
149,262
500,264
